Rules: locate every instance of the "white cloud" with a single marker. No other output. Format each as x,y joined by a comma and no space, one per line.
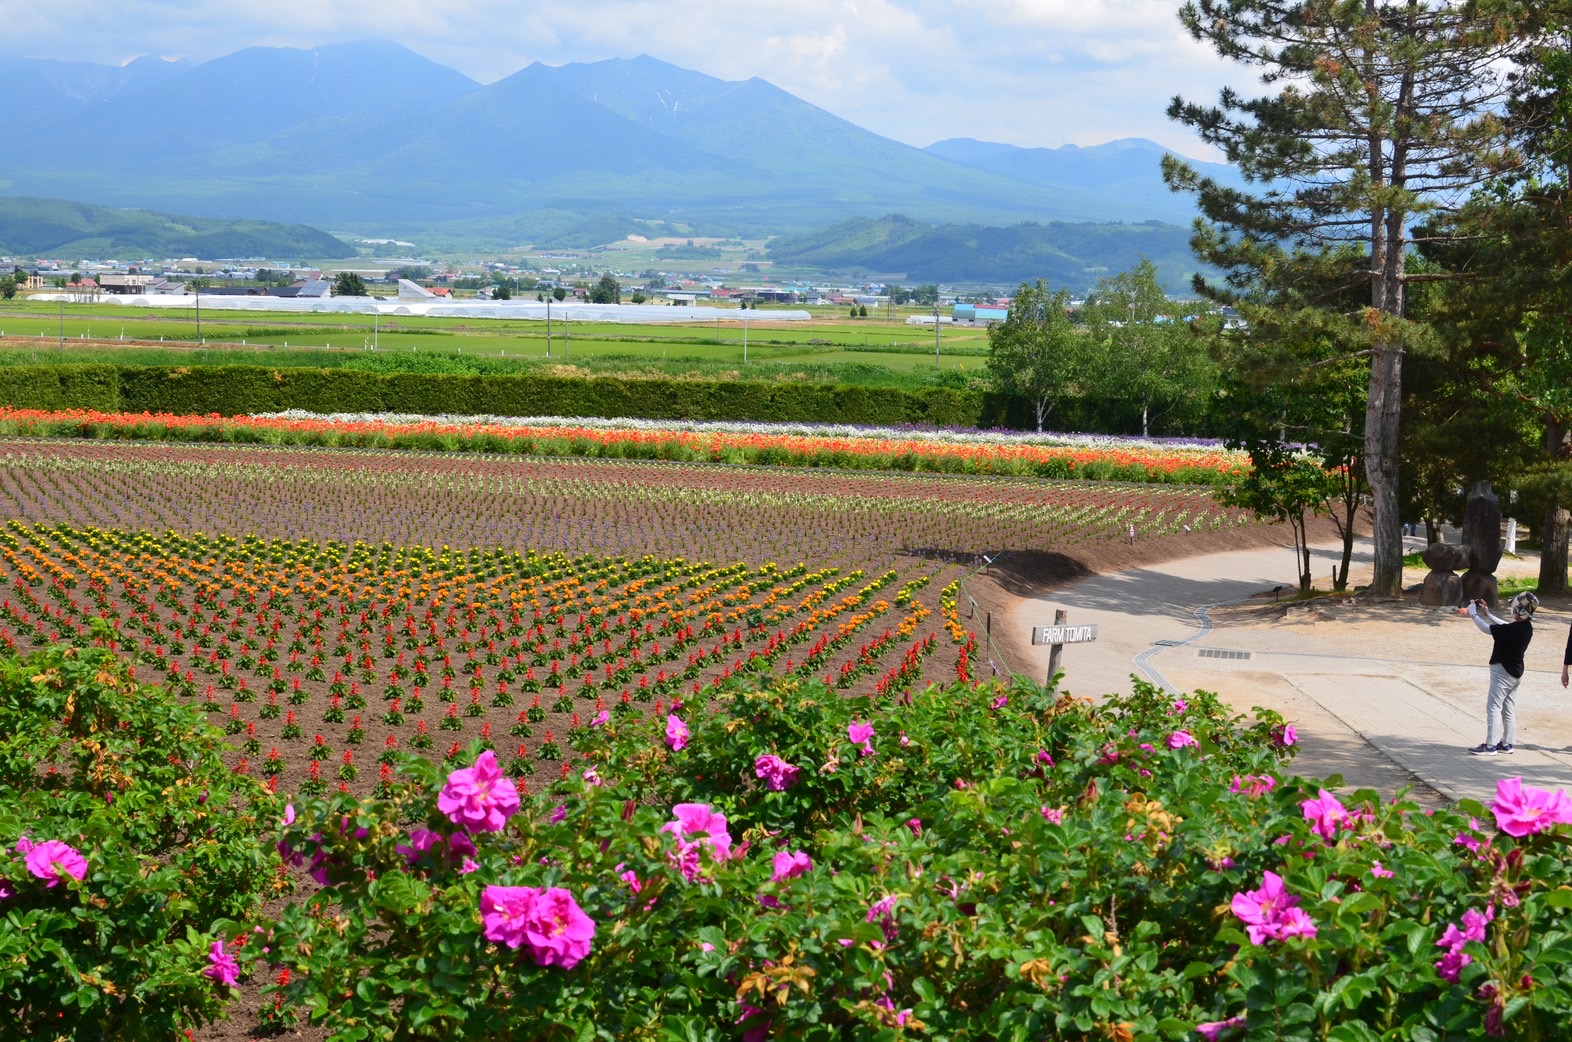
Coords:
1029,72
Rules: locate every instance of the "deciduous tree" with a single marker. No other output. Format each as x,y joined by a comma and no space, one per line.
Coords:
1150,354
1036,352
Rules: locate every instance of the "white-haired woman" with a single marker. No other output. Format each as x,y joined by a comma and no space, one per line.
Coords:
1506,669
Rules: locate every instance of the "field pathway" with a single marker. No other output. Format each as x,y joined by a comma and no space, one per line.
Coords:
1384,694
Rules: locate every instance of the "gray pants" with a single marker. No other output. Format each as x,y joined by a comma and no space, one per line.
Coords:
1501,707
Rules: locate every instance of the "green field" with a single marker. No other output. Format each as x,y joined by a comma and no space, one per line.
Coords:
830,347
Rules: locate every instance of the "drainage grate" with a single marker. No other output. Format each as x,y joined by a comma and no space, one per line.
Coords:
1221,653
1168,643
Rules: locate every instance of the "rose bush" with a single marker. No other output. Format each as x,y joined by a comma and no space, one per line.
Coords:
128,853
1045,869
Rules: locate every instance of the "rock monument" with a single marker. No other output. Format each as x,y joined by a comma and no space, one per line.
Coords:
1480,552
1482,540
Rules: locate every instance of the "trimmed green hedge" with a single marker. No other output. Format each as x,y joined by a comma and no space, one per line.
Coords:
238,389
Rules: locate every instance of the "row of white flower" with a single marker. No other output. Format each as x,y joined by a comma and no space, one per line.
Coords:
810,430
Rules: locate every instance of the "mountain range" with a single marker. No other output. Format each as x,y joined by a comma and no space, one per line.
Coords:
371,137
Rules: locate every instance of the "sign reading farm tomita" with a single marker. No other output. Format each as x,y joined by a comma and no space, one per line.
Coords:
1063,634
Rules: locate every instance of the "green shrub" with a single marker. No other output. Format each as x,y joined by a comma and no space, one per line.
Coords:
169,838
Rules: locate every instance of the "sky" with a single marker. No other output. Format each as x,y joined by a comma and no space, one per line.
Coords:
1033,73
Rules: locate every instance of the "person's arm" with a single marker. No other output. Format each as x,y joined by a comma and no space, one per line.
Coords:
1482,617
1566,661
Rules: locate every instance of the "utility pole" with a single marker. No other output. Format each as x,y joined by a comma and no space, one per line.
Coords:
936,334
744,338
198,288
548,325
62,322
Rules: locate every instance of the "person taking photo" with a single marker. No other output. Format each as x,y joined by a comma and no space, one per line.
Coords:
1506,669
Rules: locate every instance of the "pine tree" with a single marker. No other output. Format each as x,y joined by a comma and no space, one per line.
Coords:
1381,113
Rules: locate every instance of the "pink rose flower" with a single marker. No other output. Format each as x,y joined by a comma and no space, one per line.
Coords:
778,775
1217,1029
546,921
862,734
790,866
1053,815
696,826
1253,784
1284,736
1270,913
1326,813
676,733
222,966
1181,738
289,814
1451,964
479,798
882,912
1521,810
1379,872
52,860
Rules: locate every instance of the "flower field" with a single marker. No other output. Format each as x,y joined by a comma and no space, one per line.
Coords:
642,583
848,448
522,747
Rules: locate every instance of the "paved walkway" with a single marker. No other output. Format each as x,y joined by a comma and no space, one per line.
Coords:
1385,702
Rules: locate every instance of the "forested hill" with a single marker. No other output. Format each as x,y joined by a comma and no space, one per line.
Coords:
31,228
1062,254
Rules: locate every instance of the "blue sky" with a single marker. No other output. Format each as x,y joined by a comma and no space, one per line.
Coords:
1026,72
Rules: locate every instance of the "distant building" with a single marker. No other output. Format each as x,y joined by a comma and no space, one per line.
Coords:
972,314
303,288
124,285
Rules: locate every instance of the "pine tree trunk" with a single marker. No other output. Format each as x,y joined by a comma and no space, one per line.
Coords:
1553,541
1382,413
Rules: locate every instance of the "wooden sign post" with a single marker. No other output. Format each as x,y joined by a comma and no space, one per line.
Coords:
1058,635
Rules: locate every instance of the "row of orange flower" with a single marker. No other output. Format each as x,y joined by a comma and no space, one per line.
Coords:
1111,459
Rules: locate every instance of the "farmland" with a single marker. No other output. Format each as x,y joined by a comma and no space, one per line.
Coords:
875,349
327,606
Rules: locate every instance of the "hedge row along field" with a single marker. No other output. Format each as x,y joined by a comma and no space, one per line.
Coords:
323,656
241,389
1111,461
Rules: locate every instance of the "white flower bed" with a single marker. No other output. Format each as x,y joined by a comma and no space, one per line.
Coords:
952,436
